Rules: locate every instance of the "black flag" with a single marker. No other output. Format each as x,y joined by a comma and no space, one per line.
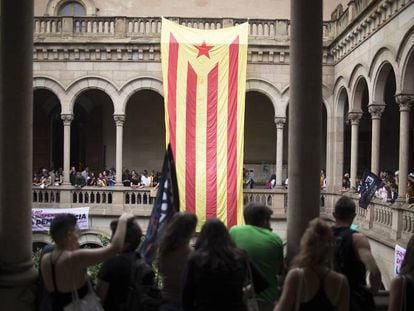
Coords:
370,184
165,206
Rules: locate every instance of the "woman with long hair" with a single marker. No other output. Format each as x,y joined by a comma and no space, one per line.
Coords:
216,271
402,287
311,283
173,254
64,269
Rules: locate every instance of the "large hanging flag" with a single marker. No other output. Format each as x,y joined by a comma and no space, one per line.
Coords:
204,73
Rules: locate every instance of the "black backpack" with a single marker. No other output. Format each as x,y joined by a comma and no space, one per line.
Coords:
143,293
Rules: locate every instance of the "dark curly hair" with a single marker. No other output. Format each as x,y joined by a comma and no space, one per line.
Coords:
61,225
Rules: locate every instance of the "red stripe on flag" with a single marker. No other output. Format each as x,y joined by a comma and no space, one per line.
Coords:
190,143
211,152
232,134
172,89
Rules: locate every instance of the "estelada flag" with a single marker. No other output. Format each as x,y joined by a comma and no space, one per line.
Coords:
204,74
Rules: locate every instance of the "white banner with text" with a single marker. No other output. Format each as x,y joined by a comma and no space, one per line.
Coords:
42,217
399,254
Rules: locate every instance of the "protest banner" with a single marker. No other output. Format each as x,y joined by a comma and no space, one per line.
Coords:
399,254
42,217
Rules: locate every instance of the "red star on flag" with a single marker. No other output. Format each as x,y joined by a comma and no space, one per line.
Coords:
204,49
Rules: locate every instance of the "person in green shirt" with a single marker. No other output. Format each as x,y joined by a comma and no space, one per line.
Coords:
265,249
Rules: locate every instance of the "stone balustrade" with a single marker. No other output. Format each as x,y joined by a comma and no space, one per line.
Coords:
388,222
131,27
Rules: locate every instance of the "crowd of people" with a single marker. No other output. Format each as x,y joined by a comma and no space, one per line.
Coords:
86,177
388,192
328,272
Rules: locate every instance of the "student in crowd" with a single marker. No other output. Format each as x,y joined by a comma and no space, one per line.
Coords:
311,283
264,247
216,272
114,274
353,257
173,254
402,287
64,269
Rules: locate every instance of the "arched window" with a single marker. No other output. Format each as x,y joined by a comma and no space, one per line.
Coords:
72,8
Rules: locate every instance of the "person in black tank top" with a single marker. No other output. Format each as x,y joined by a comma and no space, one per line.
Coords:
311,284
320,301
353,258
64,269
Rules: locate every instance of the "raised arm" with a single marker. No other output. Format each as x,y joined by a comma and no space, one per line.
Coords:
363,249
88,257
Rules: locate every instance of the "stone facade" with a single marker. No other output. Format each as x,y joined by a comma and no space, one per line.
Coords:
105,67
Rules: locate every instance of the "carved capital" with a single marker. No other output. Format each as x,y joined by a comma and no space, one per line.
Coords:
67,119
280,122
405,101
354,117
119,119
376,110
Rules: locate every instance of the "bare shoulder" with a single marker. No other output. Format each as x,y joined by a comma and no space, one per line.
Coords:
335,277
293,275
45,261
359,240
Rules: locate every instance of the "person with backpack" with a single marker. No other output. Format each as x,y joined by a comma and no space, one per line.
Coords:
353,257
124,280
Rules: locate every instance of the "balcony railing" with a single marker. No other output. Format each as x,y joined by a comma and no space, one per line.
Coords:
390,221
132,27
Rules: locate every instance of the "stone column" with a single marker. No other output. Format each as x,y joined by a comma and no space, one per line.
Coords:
67,120
354,117
119,121
376,112
17,273
280,123
304,119
405,102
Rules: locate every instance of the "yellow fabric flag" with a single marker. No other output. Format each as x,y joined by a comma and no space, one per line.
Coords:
204,76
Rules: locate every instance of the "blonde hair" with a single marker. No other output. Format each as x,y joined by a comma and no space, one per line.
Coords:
316,245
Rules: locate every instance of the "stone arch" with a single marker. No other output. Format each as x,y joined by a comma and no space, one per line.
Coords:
358,74
327,99
267,89
405,58
41,237
91,237
54,86
54,5
326,94
341,92
135,85
87,83
381,66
